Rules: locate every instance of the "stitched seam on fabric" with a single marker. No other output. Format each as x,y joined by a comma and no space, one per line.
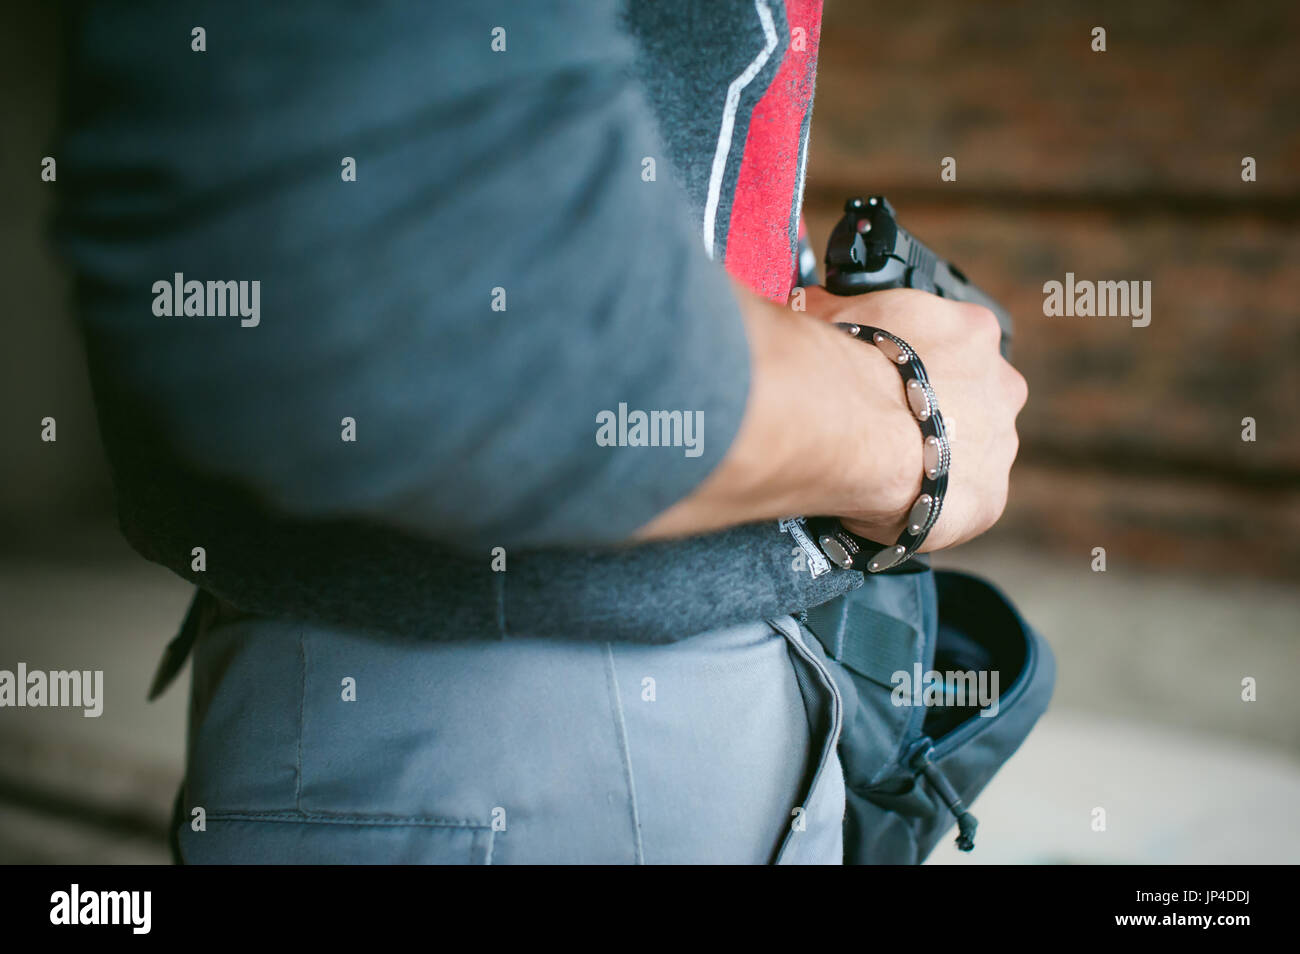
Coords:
916,720
501,602
302,717
917,607
795,658
799,680
795,637
326,818
625,752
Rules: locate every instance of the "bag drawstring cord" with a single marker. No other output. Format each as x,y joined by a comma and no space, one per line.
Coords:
922,761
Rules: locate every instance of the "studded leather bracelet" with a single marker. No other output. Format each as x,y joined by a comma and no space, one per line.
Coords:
852,552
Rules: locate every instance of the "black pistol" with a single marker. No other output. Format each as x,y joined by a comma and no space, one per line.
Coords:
869,251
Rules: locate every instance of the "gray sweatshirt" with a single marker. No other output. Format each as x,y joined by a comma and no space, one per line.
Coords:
371,290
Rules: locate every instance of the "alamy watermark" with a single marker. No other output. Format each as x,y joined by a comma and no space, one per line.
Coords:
57,688
962,688
651,429
1086,299
195,299
77,907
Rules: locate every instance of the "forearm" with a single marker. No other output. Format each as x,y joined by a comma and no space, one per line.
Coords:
825,431
456,397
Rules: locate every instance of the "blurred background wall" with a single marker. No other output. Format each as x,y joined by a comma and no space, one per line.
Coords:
1117,165
1122,165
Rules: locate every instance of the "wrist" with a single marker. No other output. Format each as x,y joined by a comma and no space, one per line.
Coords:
826,431
880,474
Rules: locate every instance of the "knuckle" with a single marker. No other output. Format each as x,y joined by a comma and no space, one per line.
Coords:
1019,387
984,318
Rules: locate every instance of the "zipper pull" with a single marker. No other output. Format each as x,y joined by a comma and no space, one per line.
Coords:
921,761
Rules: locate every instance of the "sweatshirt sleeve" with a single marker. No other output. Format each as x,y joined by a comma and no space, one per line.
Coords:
505,278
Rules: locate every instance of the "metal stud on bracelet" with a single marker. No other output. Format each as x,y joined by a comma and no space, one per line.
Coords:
850,551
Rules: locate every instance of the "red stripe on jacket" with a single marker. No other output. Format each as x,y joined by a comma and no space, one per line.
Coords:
759,248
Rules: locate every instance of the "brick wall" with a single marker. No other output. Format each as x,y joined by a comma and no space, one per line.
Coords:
1117,165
